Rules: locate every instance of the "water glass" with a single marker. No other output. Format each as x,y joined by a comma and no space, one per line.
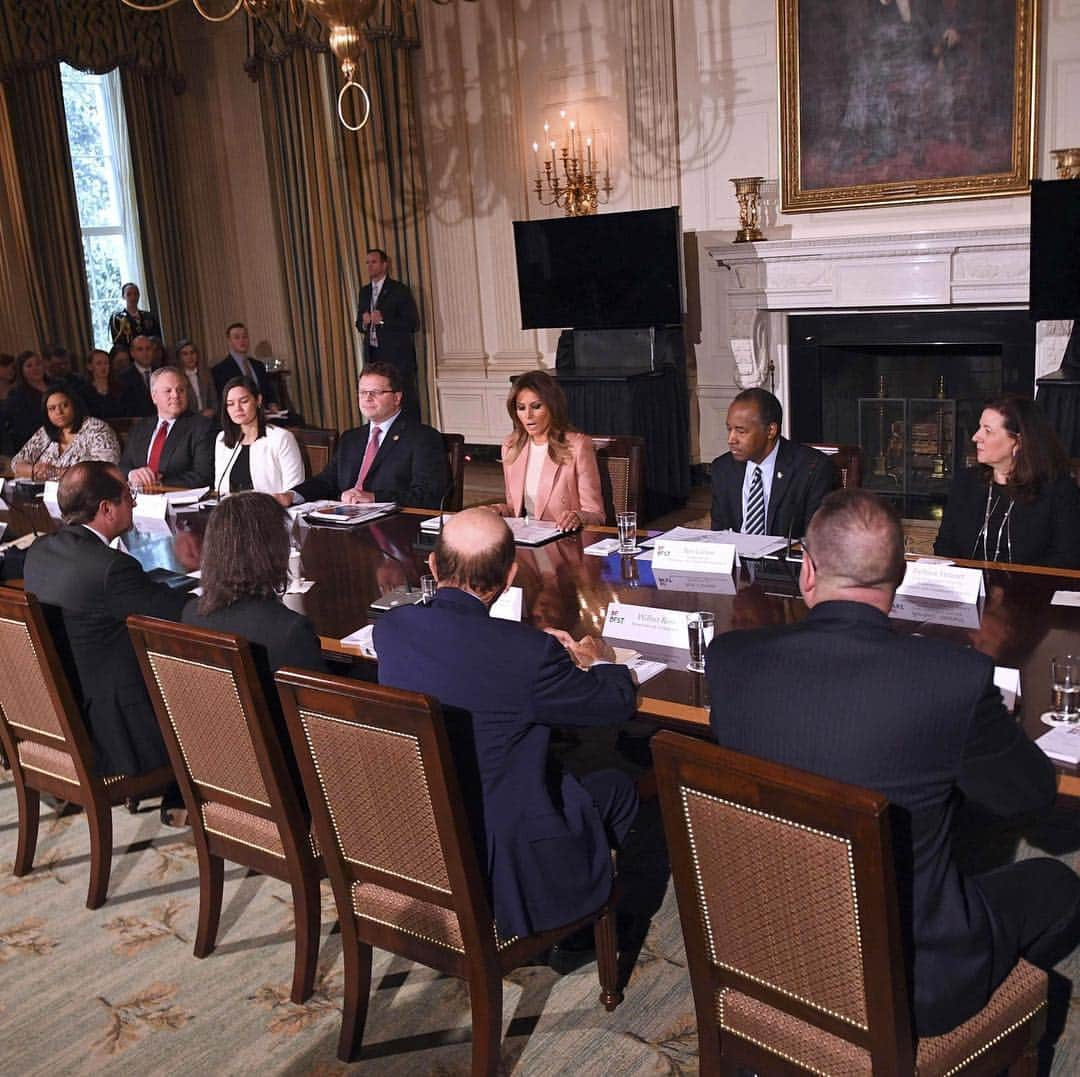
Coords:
1065,685
428,588
626,522
700,627
296,572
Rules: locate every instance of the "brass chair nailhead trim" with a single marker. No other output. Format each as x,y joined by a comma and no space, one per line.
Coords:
997,1039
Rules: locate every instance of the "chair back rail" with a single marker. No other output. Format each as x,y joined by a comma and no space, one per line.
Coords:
621,461
455,458
317,445
846,461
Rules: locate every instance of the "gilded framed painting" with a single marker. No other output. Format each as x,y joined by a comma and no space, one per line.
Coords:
886,101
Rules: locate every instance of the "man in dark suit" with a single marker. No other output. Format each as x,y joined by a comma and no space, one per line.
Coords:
387,318
765,485
96,588
392,458
919,720
238,364
135,380
504,685
174,447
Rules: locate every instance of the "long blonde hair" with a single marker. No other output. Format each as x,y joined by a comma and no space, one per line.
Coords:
553,398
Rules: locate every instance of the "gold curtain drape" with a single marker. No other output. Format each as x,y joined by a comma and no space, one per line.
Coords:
61,301
20,288
152,136
339,193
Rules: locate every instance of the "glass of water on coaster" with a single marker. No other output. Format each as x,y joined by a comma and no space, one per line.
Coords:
626,522
1065,684
700,627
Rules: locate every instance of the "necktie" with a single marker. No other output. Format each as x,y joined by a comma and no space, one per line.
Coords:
373,339
154,459
754,524
369,456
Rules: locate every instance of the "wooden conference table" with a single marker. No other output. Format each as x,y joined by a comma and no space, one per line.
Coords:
566,588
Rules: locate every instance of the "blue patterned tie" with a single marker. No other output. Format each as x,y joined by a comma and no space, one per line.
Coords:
754,524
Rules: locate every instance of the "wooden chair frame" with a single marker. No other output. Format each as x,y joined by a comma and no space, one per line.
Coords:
455,459
96,794
483,960
317,445
858,816
300,867
846,461
611,452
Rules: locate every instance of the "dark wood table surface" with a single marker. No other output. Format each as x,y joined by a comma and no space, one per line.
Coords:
566,588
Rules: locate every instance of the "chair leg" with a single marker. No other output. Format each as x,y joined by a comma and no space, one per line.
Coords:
211,887
307,912
357,957
485,998
99,818
29,814
607,960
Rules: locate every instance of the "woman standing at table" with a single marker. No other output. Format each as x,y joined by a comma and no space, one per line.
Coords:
66,436
1019,504
245,568
549,469
249,453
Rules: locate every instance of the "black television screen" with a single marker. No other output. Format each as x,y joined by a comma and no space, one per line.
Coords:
1055,249
608,271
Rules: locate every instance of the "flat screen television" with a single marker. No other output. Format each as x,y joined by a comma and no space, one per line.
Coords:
608,271
1055,249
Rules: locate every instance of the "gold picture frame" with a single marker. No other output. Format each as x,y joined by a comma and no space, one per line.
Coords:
905,100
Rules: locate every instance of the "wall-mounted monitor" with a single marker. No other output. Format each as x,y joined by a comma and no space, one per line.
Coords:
608,271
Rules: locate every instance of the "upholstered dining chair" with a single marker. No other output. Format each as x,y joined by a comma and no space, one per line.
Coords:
788,903
47,743
317,445
240,787
621,460
389,816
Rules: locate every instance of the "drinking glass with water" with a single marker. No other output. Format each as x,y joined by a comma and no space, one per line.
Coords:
1065,685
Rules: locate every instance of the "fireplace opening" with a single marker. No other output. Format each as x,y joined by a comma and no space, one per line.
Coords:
908,388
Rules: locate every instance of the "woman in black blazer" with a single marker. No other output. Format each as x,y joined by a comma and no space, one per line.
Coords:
245,569
1020,504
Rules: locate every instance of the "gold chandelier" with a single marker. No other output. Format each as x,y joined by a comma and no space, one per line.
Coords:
578,189
343,19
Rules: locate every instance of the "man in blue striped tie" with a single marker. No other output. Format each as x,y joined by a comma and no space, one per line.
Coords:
765,484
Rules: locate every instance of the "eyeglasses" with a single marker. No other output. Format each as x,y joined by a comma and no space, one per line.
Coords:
371,394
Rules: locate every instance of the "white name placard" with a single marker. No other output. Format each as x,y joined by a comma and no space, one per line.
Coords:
935,611
52,493
508,605
151,506
930,579
693,556
705,583
646,624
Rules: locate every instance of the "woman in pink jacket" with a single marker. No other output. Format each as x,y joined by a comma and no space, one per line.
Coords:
549,469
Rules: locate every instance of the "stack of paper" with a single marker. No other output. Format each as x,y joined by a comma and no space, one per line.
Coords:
1062,743
350,515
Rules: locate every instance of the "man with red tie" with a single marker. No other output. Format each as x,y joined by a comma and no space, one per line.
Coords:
393,458
170,447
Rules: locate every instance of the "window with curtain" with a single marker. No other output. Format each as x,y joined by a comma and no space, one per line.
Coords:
101,163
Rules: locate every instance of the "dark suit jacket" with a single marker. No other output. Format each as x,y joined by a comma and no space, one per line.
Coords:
410,467
188,456
503,685
802,477
1045,531
916,719
228,369
284,636
96,588
400,320
136,396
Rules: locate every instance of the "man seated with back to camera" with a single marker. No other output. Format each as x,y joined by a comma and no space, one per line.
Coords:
920,721
392,458
545,836
765,484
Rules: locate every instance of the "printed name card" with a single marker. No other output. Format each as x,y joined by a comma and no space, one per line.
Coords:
151,506
645,624
930,579
52,493
693,556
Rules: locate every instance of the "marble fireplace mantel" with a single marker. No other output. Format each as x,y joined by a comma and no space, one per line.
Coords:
755,286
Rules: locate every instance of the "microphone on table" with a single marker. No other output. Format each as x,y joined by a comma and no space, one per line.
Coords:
31,486
425,540
216,491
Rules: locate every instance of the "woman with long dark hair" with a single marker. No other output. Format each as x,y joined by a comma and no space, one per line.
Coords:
67,436
245,570
1019,504
104,395
251,454
202,396
549,469
24,401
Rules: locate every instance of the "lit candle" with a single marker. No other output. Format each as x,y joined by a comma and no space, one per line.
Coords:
552,144
588,154
536,157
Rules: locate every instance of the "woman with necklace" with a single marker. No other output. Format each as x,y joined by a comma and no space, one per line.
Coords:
66,436
1020,504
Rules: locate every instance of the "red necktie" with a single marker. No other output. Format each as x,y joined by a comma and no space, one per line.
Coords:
369,456
155,449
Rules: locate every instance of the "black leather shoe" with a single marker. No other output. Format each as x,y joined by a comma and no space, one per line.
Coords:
174,817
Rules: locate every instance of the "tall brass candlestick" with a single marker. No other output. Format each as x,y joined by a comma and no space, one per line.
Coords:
748,194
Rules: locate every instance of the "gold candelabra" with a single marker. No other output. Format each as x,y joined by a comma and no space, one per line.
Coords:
748,195
578,187
1067,162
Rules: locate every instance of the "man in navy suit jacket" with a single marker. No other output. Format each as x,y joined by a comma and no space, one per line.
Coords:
919,720
408,463
232,366
545,836
795,477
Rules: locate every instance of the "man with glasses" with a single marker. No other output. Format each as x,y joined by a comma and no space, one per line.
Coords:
919,720
96,587
392,458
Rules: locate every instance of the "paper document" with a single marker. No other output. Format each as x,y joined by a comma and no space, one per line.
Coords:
186,497
337,512
1062,743
602,548
1065,598
752,546
508,605
532,532
1008,682
433,524
642,669
362,638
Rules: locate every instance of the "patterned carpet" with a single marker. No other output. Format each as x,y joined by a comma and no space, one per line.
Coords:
117,990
